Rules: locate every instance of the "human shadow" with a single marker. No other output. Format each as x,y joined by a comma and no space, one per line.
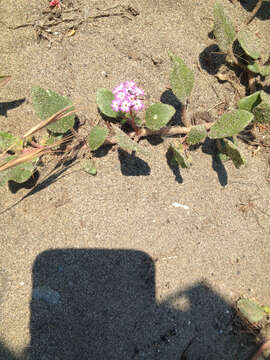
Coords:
101,304
9,105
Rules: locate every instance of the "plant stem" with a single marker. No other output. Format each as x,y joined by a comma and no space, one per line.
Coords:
264,346
132,122
184,118
254,12
166,131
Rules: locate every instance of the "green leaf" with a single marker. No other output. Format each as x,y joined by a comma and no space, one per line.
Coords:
104,100
250,310
234,153
222,157
89,166
249,102
182,79
230,124
263,70
223,28
262,111
4,175
46,103
6,140
180,157
266,309
4,79
125,142
53,138
158,115
97,137
254,68
196,135
249,43
21,172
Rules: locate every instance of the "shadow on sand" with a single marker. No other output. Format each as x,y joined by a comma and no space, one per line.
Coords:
101,304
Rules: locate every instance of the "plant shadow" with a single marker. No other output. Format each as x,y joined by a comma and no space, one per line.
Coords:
211,59
131,165
168,97
264,11
209,147
9,105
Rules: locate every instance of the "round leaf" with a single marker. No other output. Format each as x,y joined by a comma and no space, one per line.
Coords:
196,135
230,124
6,140
250,310
158,115
89,166
104,100
97,137
249,43
46,103
21,172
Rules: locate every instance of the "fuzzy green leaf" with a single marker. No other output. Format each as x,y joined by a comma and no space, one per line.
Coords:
125,142
51,139
230,124
4,175
262,110
21,172
250,310
46,103
234,153
249,102
89,166
97,137
223,28
263,70
196,135
4,79
181,78
180,157
6,140
104,98
158,115
222,157
249,43
254,68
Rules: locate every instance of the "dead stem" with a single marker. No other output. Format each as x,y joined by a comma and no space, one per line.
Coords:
254,12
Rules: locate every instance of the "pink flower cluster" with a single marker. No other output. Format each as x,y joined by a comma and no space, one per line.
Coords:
55,3
127,97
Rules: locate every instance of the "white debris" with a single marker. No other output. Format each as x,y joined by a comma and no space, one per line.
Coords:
177,205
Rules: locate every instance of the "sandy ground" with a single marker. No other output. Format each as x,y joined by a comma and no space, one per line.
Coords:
106,267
